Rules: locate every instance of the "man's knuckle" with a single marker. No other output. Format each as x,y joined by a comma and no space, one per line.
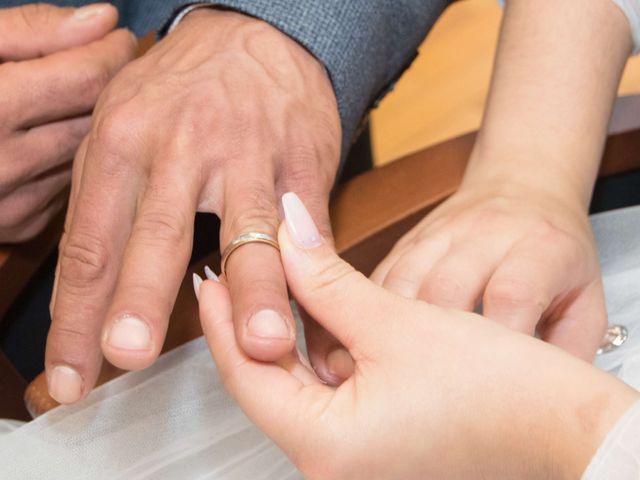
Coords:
70,333
255,218
303,176
83,260
163,227
114,130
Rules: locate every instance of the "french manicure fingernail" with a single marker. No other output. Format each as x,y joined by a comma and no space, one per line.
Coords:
65,384
210,274
197,282
299,223
268,324
90,11
129,333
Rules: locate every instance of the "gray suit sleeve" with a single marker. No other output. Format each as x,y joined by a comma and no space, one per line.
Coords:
365,45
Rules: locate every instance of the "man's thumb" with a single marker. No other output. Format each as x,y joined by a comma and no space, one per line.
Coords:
35,30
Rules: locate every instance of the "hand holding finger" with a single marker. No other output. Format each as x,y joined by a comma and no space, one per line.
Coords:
361,428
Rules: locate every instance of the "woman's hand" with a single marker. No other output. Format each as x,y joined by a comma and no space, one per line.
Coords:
525,253
516,236
436,393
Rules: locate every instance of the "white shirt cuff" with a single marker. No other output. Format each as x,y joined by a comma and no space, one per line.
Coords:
186,11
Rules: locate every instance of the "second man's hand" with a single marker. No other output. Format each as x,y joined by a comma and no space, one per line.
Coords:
222,116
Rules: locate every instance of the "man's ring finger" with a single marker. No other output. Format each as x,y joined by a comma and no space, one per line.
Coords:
245,238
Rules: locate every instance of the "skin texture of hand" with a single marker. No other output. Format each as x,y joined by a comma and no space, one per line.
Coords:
481,401
516,237
526,254
54,62
223,115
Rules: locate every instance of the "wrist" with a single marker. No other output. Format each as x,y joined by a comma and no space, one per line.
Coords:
588,405
528,173
226,24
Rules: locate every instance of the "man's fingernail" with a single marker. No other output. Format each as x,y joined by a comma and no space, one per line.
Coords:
197,282
90,11
340,363
268,324
299,223
65,384
210,274
129,333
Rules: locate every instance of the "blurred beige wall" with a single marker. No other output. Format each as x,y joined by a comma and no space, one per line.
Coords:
442,95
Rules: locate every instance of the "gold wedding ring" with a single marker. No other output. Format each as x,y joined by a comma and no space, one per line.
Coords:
250,237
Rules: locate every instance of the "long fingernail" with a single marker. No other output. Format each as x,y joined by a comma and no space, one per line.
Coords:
210,274
197,282
90,11
65,384
129,333
268,324
299,223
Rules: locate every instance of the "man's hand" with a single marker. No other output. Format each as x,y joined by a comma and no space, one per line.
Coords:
54,62
526,255
222,116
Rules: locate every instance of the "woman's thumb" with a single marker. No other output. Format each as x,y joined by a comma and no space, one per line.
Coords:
338,297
